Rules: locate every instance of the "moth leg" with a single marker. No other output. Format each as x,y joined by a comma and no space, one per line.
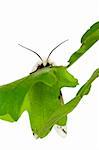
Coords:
35,135
61,130
61,98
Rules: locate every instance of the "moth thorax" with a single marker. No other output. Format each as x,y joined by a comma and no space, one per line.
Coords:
35,67
44,62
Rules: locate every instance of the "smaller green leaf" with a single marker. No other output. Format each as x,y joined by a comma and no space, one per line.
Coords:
87,40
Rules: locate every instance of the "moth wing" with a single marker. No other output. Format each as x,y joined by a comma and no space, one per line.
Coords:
12,96
68,107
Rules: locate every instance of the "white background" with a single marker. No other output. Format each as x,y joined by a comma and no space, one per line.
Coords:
41,25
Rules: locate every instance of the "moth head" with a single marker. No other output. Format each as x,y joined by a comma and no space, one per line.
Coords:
43,63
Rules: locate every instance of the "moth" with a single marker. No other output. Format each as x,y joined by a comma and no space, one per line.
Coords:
40,95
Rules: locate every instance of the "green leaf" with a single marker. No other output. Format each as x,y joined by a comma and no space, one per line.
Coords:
88,40
65,109
38,94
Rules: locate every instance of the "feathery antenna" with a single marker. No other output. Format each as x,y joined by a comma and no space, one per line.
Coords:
31,51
